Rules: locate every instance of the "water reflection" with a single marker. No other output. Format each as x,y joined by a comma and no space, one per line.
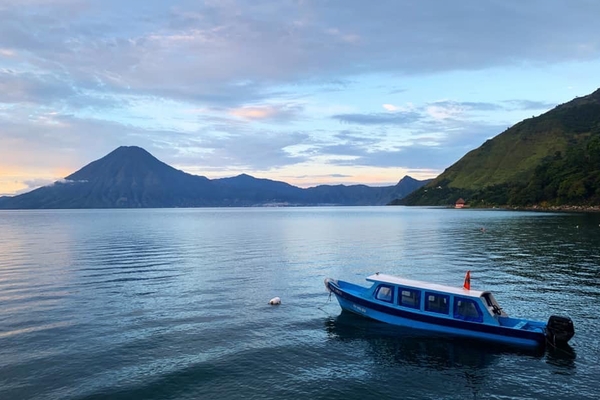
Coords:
563,356
388,345
418,348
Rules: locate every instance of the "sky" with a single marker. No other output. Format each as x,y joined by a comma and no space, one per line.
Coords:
303,91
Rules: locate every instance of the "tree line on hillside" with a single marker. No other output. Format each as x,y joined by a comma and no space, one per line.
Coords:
572,178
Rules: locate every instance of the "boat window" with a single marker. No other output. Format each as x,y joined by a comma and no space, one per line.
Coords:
436,302
467,310
385,293
409,298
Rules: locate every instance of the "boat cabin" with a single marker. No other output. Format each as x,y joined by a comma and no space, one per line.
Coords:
436,300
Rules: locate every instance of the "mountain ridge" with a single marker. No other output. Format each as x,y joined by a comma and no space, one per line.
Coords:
131,177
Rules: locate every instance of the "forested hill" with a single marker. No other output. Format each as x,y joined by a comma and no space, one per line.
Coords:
552,159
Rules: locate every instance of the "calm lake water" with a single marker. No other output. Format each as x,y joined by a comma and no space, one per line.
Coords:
172,304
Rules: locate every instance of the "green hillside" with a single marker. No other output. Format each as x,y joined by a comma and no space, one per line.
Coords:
552,159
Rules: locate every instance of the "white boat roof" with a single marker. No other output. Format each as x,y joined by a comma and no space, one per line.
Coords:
396,280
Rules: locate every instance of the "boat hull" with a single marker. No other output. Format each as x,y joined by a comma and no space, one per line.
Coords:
353,302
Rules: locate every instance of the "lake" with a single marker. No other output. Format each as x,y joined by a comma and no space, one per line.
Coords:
172,303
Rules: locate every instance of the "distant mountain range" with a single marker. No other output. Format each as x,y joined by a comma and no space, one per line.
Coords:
549,160
130,177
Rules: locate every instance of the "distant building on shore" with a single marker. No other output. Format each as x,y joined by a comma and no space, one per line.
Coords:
460,203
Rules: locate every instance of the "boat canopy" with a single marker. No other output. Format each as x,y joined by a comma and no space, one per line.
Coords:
395,280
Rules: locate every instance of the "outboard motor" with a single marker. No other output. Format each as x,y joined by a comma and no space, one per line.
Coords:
559,330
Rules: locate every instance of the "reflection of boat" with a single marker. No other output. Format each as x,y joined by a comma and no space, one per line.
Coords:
416,347
445,309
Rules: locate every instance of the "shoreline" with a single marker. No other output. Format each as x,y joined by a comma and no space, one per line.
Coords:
578,209
558,209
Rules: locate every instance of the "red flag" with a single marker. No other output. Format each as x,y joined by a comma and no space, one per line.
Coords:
467,284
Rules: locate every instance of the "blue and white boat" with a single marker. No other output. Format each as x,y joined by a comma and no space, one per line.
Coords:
452,310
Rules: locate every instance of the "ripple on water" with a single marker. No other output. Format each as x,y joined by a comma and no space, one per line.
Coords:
172,304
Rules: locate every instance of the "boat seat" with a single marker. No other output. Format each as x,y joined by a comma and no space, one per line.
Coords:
520,325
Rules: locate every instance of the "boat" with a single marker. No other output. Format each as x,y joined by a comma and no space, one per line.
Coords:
444,309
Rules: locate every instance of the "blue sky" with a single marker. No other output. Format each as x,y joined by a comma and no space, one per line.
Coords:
304,91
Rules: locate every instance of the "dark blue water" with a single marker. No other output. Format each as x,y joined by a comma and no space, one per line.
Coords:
172,304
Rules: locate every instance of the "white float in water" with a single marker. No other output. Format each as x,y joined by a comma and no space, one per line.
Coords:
275,301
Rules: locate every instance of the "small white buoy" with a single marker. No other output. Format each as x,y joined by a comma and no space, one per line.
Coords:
275,301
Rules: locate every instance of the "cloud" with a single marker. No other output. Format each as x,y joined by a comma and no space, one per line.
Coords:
397,91
394,118
323,176
254,112
468,105
199,51
431,144
47,140
74,142
529,105
411,157
409,114
7,52
447,109
350,38
18,87
257,151
67,181
359,137
267,112
31,184
444,111
52,90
